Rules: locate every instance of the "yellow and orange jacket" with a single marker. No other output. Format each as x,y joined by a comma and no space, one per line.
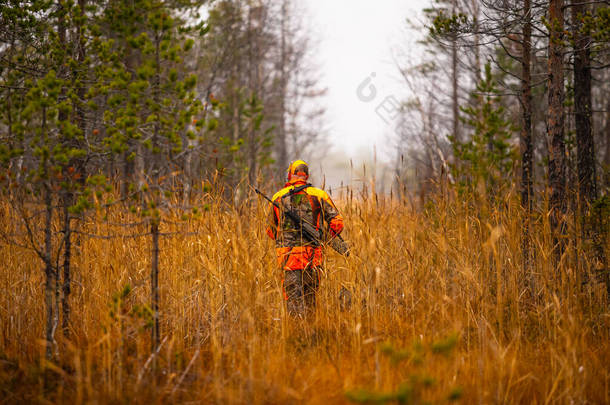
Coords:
294,251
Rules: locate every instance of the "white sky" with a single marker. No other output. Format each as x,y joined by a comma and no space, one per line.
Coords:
356,39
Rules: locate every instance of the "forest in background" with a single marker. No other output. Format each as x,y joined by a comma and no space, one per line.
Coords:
512,96
134,263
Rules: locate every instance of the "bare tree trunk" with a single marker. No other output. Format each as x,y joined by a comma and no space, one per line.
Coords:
601,220
477,47
65,303
252,154
526,135
555,123
454,82
154,164
133,166
154,228
127,168
50,274
582,108
154,284
9,98
187,181
606,180
66,195
79,165
255,17
236,134
585,145
282,158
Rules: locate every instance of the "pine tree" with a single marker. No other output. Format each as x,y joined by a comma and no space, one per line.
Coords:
151,107
46,146
488,156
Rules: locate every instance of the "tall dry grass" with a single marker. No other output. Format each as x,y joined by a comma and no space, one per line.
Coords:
416,277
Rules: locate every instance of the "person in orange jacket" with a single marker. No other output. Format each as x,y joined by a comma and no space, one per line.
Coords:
298,257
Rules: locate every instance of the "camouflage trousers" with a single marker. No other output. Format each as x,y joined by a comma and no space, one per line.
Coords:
300,288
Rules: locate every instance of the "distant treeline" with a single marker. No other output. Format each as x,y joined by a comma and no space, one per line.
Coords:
513,97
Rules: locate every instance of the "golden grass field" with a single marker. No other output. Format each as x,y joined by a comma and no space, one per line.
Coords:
440,311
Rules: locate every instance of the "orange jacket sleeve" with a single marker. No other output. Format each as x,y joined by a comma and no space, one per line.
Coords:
331,215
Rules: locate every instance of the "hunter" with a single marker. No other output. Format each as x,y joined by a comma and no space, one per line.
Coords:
299,257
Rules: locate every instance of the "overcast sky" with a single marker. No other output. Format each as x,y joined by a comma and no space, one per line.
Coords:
355,41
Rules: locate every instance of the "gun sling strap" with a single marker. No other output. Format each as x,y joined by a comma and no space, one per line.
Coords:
296,190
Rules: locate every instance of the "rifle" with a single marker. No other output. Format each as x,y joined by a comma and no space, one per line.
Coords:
308,230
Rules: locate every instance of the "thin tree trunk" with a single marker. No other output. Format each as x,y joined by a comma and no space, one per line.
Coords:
78,166
50,274
62,117
9,98
582,108
188,169
585,145
127,168
156,147
252,154
477,47
282,160
526,135
50,271
454,82
601,220
234,179
606,180
133,166
555,123
154,284
154,272
254,24
81,90
65,303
